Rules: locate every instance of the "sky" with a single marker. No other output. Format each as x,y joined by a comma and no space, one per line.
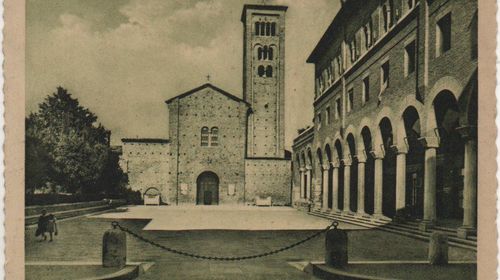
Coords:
123,58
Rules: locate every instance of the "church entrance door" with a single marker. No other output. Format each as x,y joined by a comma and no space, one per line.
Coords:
207,189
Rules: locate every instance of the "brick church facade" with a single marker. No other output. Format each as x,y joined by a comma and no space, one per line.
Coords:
223,149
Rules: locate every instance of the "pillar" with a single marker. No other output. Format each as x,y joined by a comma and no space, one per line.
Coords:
377,206
469,224
430,144
400,182
326,168
335,186
308,183
347,185
361,184
302,182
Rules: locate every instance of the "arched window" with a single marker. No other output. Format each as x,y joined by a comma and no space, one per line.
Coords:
214,136
262,29
273,29
385,13
269,71
268,29
261,71
270,54
259,53
204,136
257,25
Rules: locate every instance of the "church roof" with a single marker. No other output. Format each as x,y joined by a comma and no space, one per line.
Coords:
207,85
261,7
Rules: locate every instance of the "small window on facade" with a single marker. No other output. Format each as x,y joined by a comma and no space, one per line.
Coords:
261,71
204,136
273,29
366,89
270,54
268,29
443,35
264,53
328,115
384,76
350,100
269,71
214,136
337,108
318,120
259,53
262,28
410,58
257,25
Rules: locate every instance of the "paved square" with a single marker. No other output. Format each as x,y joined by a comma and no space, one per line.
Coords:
222,218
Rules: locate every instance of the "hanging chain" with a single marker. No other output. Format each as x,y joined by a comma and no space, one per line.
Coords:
215,258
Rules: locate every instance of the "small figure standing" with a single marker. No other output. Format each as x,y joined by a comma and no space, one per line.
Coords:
51,226
42,225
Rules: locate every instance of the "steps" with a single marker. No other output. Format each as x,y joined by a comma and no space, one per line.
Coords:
410,229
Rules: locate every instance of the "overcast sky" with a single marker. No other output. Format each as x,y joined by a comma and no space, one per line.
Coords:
124,58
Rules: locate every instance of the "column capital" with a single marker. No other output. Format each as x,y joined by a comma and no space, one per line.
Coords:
347,161
429,142
309,168
468,132
326,167
302,169
377,154
335,164
361,156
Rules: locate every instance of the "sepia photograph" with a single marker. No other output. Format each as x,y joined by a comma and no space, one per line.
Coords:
252,139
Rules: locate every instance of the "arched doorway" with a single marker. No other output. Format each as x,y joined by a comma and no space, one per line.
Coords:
415,158
207,189
389,169
330,176
369,170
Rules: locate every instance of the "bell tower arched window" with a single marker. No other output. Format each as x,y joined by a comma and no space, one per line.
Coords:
273,29
269,71
270,53
257,28
261,71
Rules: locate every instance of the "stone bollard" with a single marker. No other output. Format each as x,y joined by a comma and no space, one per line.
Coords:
336,247
438,249
114,248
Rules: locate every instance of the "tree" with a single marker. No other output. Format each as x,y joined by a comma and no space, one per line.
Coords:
36,165
77,147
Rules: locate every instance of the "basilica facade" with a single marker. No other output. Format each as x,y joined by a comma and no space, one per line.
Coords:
223,149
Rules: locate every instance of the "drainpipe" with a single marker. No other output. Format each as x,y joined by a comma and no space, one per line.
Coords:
178,152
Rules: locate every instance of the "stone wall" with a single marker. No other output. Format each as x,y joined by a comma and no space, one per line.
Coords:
268,177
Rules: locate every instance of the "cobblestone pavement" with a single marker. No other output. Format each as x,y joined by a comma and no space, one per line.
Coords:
80,240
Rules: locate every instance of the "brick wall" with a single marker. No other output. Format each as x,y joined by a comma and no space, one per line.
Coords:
268,177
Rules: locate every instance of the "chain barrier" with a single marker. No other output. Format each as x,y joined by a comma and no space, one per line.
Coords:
215,258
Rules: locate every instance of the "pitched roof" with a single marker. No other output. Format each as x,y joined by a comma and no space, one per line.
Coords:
207,85
145,140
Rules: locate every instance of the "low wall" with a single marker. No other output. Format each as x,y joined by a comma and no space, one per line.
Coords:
67,210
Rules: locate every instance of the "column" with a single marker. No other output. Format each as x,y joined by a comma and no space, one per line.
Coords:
335,186
400,181
326,168
347,185
361,184
377,206
308,183
470,182
430,144
302,182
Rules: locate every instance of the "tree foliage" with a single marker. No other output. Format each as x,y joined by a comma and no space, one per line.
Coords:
67,138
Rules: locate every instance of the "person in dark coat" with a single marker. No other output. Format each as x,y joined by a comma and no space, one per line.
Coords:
42,225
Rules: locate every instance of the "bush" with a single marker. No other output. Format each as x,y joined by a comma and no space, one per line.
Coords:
55,198
133,197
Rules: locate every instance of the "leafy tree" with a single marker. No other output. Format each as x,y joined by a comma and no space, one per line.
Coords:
36,164
77,146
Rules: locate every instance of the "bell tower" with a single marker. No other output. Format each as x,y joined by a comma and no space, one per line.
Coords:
264,78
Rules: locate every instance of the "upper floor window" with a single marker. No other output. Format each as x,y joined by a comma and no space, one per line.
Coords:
337,108
328,115
265,28
350,100
366,90
261,71
318,120
352,50
387,14
269,71
214,136
265,53
204,136
443,35
410,58
384,76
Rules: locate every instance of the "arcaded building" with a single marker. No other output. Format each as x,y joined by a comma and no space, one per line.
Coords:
223,149
395,125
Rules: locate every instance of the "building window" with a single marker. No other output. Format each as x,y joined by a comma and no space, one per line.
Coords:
214,136
410,58
328,115
261,71
384,76
269,71
262,28
318,120
270,54
366,90
443,35
337,108
352,49
273,29
259,53
257,28
204,136
350,99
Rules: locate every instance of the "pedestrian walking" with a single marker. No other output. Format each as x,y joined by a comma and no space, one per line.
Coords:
52,226
42,225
